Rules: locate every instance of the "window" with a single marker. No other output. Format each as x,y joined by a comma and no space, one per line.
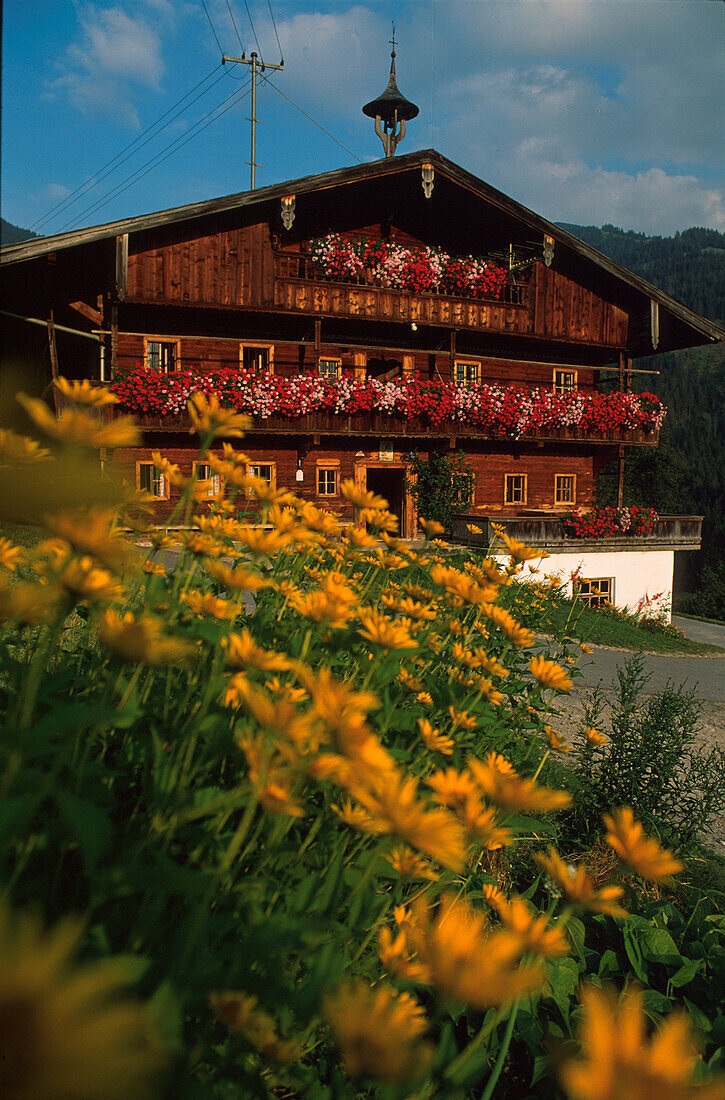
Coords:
151,480
467,374
328,480
329,368
162,355
565,489
267,471
257,357
564,381
204,472
515,489
463,486
596,591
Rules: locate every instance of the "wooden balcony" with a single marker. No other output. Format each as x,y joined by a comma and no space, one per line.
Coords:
395,427
299,287
546,532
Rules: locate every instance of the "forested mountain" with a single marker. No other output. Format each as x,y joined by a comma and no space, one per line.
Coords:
13,234
690,266
686,473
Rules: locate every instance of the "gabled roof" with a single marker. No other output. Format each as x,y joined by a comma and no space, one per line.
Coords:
28,250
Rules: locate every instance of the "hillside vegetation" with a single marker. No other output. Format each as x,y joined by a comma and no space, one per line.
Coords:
686,473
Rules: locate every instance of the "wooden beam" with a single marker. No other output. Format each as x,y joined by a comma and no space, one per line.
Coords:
88,312
620,483
121,265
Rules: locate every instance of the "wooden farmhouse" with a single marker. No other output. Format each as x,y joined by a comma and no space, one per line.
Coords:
280,293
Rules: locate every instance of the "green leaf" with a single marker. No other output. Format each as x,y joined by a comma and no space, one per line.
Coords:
634,954
658,946
88,823
15,815
686,973
608,964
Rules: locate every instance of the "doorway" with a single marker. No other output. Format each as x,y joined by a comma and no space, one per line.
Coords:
389,482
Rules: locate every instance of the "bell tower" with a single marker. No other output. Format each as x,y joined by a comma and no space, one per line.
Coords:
391,110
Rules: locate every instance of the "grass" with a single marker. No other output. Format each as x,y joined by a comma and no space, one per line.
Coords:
601,627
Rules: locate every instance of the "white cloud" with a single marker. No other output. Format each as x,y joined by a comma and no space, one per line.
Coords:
117,52
56,191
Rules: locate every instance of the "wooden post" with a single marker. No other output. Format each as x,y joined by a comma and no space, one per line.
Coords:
54,372
620,485
628,378
114,339
621,371
318,339
453,355
360,361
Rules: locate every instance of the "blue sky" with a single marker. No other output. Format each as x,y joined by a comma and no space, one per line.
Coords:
587,111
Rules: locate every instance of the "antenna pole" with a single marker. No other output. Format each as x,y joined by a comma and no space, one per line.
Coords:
255,64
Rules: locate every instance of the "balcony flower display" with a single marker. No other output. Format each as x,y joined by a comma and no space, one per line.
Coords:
609,522
419,271
507,411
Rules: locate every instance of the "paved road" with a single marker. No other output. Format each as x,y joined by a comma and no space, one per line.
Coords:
706,674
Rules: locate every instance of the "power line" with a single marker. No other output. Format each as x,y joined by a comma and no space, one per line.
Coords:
212,27
252,26
101,174
303,112
279,44
234,24
170,149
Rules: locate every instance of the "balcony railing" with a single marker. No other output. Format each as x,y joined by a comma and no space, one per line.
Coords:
380,424
546,532
299,288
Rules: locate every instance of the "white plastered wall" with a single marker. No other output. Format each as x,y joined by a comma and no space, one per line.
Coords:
638,575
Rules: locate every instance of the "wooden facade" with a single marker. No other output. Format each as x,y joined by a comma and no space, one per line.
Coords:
209,284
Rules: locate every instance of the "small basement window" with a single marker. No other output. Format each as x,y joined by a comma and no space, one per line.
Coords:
596,591
564,381
257,357
151,480
204,472
565,489
162,355
329,368
515,487
467,374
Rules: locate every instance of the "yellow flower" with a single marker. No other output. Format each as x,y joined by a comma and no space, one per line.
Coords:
474,529
28,603
88,583
20,448
433,739
242,651
359,498
466,960
520,551
378,1031
578,887
140,639
201,545
501,784
240,579
435,832
642,853
382,631
261,542
554,741
90,532
279,717
203,603
68,1032
358,818
431,527
533,929
494,696
506,623
425,698
483,825
620,1062
10,555
585,648
409,865
85,393
452,788
594,737
550,674
461,586
241,1015
270,776
208,417
79,429
461,718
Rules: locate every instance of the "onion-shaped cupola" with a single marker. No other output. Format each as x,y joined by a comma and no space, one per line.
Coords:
391,110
